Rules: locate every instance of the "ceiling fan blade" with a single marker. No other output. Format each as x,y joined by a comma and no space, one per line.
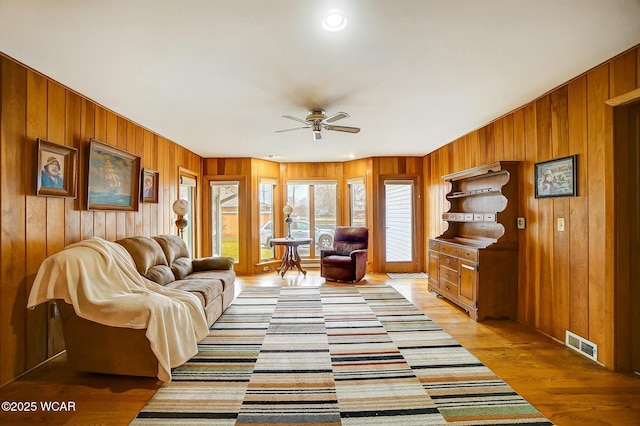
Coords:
296,119
343,129
295,128
335,117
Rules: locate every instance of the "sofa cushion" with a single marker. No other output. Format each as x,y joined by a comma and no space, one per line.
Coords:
336,260
181,267
227,277
160,274
173,247
212,263
146,253
206,291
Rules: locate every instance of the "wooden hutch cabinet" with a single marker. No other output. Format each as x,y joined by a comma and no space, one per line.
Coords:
474,264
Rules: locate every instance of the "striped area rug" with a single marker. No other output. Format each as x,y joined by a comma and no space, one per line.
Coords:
358,355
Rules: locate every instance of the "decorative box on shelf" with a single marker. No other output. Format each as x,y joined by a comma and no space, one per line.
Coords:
482,231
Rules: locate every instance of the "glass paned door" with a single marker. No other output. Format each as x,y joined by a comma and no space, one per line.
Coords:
225,235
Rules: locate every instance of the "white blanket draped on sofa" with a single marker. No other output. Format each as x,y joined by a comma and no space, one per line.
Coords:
99,279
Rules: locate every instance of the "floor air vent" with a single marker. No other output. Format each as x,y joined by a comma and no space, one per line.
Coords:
579,344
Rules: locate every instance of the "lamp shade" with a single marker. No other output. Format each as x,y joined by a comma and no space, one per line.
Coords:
287,209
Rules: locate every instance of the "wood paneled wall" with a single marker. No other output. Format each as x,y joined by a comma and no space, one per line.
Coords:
566,279
33,106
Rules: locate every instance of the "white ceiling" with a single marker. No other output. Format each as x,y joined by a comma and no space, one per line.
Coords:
217,75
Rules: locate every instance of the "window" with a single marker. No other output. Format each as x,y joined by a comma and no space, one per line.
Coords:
314,213
187,190
265,195
225,221
357,202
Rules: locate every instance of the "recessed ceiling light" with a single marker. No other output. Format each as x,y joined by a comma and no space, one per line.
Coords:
334,22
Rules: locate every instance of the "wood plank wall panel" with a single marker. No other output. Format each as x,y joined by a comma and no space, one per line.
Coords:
597,94
561,209
33,106
546,222
566,279
73,214
579,241
529,298
36,219
12,216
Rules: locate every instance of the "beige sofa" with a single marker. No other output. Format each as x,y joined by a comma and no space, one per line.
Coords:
164,259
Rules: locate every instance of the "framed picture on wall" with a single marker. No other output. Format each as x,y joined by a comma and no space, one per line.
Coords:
114,178
556,178
149,183
57,171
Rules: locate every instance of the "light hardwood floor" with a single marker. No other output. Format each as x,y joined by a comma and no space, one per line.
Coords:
566,387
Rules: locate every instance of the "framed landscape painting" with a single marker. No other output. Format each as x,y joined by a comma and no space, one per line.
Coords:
114,178
556,178
57,171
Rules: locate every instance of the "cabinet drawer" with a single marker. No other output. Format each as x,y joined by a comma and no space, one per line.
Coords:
451,250
434,245
448,261
449,288
448,274
489,217
469,254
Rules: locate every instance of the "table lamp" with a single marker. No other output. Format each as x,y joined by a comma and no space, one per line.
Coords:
287,209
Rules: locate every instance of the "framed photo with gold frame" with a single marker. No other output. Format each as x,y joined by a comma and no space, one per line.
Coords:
149,183
57,171
114,178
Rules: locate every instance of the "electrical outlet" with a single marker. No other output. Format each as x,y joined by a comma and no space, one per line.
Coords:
266,268
522,223
561,224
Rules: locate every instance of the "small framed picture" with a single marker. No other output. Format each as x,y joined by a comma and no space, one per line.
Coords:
149,184
57,170
556,178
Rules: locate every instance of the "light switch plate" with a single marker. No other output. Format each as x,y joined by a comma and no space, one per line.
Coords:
561,224
522,223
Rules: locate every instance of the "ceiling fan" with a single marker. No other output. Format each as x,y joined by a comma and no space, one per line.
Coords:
318,120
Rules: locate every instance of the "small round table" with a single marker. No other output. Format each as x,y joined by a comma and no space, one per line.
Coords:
291,257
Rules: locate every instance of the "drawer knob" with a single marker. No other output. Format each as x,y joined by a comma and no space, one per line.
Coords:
448,260
447,287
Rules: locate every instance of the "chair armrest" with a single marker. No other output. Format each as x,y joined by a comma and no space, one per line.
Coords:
358,253
212,263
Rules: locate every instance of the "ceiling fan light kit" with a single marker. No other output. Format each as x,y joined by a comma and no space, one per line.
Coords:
317,120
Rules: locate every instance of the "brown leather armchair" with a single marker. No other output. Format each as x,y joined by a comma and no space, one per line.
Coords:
347,259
